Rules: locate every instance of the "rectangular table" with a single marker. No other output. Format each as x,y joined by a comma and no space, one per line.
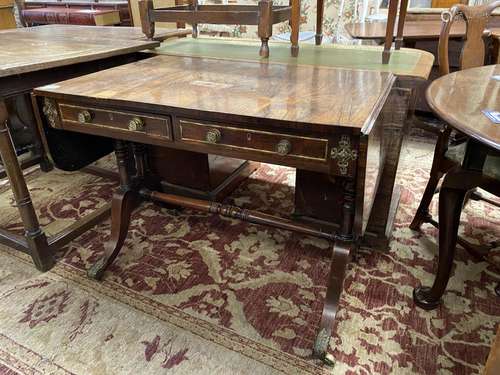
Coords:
314,200
321,120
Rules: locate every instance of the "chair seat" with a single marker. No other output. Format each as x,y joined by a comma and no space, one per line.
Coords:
491,167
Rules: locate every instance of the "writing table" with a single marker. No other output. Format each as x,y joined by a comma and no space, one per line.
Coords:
317,119
314,201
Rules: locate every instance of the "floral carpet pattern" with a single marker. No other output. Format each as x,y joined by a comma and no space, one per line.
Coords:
197,293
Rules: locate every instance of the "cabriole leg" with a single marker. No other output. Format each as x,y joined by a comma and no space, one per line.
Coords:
342,249
124,202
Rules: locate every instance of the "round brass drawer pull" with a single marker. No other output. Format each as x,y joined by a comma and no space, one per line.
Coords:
213,136
84,117
136,124
283,147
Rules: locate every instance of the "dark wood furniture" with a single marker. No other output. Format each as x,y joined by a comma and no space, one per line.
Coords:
474,50
458,98
315,202
42,61
22,124
55,10
262,116
62,51
264,15
495,36
472,55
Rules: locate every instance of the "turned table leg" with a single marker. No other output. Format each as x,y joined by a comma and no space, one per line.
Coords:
36,240
342,248
124,202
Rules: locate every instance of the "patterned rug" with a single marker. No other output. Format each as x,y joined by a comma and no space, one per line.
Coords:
193,293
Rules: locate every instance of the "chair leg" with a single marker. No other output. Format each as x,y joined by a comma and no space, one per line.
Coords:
422,214
295,23
320,6
450,208
265,27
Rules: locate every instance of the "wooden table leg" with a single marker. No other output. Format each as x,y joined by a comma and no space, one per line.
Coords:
450,208
320,8
342,249
295,24
36,239
125,200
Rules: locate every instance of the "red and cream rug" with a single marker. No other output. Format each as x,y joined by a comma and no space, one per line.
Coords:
193,293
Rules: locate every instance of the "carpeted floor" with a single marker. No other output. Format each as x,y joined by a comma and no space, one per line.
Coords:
194,293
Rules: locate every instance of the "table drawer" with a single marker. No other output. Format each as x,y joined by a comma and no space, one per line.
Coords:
129,122
228,137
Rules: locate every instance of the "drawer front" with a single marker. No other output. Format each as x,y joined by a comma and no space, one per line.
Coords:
128,122
220,136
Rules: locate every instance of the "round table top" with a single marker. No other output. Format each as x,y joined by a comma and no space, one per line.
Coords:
459,99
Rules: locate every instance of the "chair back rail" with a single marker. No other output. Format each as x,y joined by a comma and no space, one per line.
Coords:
473,50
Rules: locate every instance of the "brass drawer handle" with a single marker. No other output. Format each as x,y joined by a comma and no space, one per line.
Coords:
136,124
283,147
84,117
213,136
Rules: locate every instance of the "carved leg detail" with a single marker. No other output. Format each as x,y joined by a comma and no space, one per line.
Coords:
450,207
340,258
264,48
122,206
124,202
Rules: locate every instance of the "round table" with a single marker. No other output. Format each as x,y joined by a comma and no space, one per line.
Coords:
459,99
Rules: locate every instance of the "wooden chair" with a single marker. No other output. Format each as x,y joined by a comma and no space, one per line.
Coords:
449,155
264,15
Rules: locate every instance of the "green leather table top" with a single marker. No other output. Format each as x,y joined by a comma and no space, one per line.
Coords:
405,62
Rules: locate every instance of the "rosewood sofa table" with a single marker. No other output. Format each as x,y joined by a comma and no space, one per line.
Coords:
209,107
36,56
314,198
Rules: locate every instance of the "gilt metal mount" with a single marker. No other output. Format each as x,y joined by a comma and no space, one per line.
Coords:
344,154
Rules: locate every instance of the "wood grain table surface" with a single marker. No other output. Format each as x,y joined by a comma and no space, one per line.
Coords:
459,98
296,94
40,48
81,32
